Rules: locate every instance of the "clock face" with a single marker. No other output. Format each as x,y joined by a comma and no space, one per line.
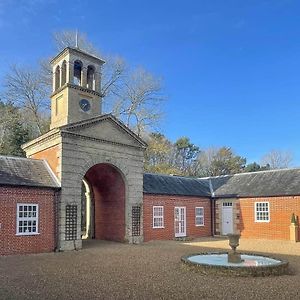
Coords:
84,105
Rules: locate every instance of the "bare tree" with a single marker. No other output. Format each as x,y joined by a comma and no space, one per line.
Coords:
204,161
113,73
67,38
138,100
25,88
278,159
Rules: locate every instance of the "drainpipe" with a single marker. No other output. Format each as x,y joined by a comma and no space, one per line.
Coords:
57,195
212,207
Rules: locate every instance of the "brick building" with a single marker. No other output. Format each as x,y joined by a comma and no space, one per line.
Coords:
84,179
28,199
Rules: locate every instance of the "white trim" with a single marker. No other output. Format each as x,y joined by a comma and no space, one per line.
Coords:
199,216
36,219
227,223
158,216
180,234
255,212
52,174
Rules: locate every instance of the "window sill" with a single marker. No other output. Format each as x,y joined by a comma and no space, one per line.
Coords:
262,221
200,225
158,227
27,234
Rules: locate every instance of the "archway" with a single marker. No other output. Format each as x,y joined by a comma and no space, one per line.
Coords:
103,203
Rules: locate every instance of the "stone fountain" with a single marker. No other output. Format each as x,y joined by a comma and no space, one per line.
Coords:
233,256
233,263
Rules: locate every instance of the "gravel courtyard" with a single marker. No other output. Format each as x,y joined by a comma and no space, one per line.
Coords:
107,270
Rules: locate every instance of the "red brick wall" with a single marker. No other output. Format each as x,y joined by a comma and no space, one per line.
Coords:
169,203
281,209
109,195
10,243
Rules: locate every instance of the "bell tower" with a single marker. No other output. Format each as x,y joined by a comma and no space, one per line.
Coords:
76,93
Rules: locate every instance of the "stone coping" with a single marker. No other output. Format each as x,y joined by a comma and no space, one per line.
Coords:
241,271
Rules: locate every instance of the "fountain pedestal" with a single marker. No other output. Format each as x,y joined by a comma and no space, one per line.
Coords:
233,256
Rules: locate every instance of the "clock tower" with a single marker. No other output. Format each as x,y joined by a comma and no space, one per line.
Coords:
76,93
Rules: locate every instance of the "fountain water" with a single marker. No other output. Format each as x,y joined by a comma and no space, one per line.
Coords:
234,263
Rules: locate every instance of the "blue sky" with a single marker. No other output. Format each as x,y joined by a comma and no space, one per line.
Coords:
231,69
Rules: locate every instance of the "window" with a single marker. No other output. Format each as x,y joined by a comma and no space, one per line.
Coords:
262,212
199,216
227,204
27,219
158,217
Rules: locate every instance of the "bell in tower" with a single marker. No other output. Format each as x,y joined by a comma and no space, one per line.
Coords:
76,94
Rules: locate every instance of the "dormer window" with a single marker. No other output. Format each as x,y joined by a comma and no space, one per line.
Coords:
91,77
77,72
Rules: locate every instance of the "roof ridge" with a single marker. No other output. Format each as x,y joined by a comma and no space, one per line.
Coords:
172,176
210,177
247,173
20,158
266,171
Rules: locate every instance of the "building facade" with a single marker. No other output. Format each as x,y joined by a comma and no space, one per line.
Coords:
84,179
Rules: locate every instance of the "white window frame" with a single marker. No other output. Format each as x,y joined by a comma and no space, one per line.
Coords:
27,218
258,220
199,215
159,217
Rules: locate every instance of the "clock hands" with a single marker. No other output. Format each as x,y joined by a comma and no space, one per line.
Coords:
84,104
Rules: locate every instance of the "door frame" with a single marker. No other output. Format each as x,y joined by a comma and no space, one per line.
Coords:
227,207
184,220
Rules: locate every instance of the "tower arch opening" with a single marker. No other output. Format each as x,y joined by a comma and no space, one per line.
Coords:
103,203
78,72
63,73
91,77
57,78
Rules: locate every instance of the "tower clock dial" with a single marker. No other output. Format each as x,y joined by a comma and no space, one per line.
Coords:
85,105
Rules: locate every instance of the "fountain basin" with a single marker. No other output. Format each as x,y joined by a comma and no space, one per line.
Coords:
251,265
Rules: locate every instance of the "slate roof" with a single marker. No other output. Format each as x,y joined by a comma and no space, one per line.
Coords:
18,171
282,182
174,185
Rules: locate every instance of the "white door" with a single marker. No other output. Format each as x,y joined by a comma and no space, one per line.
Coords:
227,218
180,221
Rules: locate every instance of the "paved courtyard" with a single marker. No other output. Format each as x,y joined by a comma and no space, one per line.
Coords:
107,270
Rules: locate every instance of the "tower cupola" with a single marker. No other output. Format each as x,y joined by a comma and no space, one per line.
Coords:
76,93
